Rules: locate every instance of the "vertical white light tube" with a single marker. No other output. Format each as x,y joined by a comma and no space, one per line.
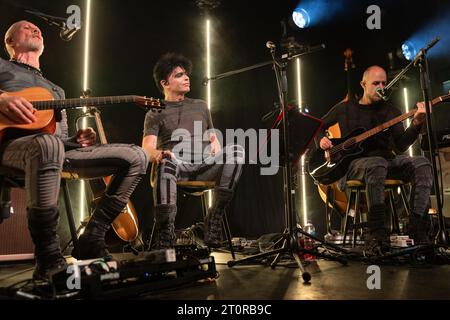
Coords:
303,204
208,74
405,95
85,86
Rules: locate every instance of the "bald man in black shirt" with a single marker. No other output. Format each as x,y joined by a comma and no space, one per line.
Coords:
382,158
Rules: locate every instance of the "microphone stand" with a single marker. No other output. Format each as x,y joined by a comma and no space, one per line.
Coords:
51,20
421,61
289,239
289,56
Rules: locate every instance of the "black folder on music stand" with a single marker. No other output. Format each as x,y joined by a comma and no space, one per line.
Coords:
303,128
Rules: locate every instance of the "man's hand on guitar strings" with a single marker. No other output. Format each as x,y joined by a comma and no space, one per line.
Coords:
17,109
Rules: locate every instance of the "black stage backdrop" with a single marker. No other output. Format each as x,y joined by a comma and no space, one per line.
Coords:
127,37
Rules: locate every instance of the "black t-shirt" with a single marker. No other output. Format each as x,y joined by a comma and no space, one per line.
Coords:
352,115
180,115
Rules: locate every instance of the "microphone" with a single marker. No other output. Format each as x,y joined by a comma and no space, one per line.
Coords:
67,33
432,43
270,45
382,93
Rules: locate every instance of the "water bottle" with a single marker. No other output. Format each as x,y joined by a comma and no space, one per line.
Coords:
308,242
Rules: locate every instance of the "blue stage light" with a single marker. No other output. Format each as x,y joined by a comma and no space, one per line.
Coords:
300,17
408,50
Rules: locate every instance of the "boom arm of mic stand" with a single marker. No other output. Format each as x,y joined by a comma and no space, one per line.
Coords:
417,58
262,64
233,72
51,20
307,50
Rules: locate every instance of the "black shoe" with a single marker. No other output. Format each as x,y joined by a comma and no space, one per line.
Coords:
418,229
213,243
213,230
165,237
90,249
376,243
374,247
46,268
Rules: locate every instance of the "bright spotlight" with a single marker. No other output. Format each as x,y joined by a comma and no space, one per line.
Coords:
300,17
408,50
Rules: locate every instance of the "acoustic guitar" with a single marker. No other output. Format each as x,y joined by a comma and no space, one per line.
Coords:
43,101
126,224
329,166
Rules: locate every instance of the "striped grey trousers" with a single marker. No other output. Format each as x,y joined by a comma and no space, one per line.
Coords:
42,158
225,173
374,170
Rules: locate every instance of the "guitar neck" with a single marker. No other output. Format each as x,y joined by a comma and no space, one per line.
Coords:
390,123
384,126
78,103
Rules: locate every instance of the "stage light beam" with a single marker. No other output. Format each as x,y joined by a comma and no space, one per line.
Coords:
409,51
311,13
300,17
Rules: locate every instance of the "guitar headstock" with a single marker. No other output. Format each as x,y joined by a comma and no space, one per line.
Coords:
446,98
149,103
348,64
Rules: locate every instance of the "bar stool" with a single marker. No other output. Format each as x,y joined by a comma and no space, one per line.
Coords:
197,189
356,187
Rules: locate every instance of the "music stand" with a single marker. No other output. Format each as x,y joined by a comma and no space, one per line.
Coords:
289,239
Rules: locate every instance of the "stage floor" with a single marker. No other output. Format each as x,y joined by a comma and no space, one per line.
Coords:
330,281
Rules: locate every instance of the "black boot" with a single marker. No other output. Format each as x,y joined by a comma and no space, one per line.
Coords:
213,221
418,228
376,238
165,225
91,244
42,223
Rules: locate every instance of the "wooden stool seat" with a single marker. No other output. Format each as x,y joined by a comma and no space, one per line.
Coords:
387,182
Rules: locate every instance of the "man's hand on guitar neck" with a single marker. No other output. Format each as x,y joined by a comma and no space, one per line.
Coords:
325,143
419,116
17,109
